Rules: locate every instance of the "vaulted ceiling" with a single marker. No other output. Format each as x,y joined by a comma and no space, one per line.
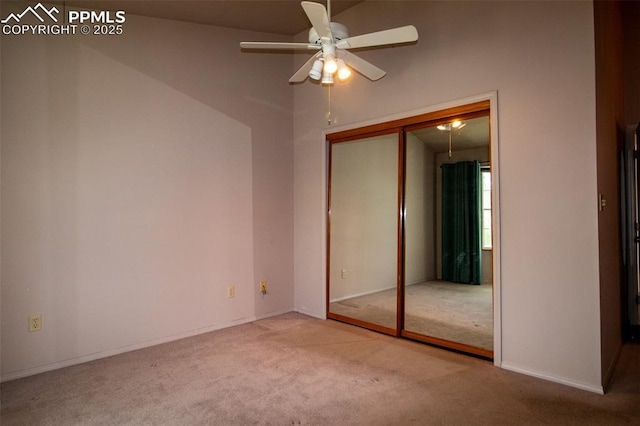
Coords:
284,17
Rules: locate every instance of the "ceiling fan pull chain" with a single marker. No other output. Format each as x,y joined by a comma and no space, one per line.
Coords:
329,105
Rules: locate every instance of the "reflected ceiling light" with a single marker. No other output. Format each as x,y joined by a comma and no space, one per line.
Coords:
316,71
343,70
454,125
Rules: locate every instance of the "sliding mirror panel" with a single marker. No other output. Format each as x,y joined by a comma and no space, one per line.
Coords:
363,232
448,258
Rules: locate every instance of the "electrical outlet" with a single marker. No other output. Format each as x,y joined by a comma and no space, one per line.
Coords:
263,287
35,322
231,291
343,274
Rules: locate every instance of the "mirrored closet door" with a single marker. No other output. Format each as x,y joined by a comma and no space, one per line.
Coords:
363,231
448,254
409,229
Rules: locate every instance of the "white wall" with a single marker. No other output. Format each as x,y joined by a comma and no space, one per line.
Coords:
420,224
141,175
364,211
364,216
539,56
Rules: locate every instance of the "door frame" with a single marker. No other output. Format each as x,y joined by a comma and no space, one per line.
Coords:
433,113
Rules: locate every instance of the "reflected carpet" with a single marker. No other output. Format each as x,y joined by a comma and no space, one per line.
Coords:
460,313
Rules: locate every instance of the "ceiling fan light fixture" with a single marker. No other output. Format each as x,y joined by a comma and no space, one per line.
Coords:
332,40
316,71
343,70
329,55
327,78
330,64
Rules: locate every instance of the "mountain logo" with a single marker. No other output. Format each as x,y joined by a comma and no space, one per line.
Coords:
34,11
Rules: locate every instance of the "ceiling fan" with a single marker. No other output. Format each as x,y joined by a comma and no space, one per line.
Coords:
332,43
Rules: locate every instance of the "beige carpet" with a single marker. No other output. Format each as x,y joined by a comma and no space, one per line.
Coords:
296,370
460,313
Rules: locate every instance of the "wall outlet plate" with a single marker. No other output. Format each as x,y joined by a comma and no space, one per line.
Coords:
263,287
35,322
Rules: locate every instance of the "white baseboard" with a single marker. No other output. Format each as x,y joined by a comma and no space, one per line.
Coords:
127,348
274,313
310,313
351,296
584,386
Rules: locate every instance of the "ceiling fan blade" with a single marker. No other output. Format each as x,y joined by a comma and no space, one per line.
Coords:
303,72
363,67
317,14
277,45
393,36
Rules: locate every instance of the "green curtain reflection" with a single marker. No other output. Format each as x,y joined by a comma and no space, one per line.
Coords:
462,222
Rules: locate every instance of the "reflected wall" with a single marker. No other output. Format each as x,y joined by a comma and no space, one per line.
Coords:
363,229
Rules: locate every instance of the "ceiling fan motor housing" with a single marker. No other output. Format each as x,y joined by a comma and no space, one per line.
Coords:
339,32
